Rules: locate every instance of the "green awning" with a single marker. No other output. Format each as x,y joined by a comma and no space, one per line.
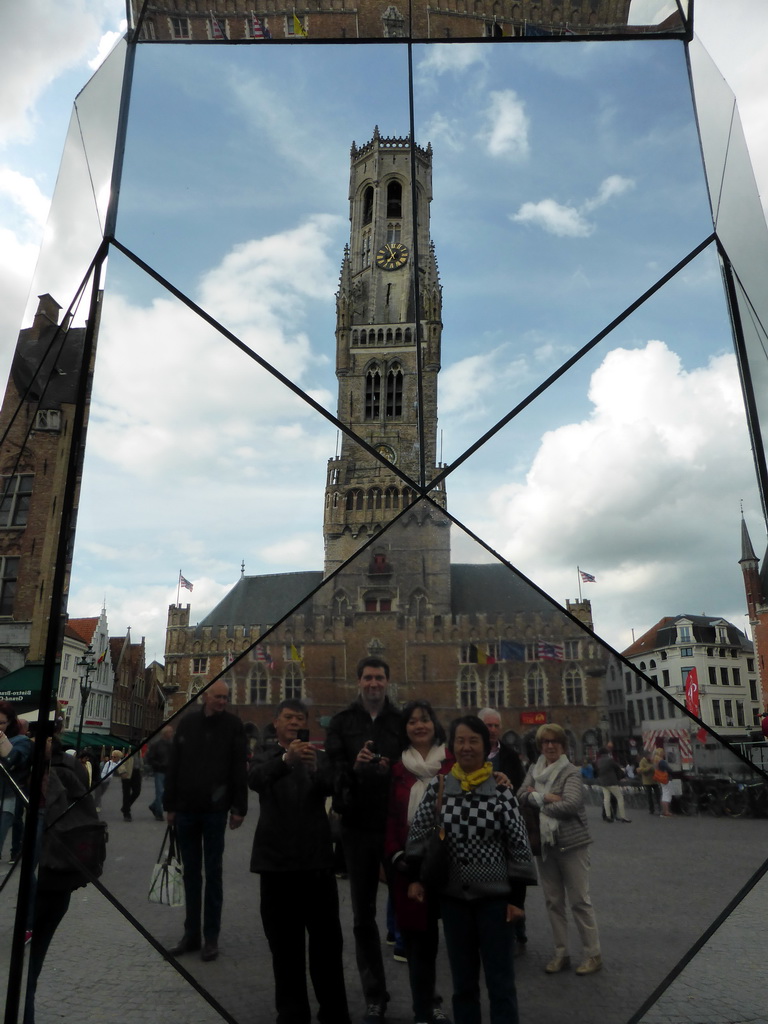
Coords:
22,688
91,739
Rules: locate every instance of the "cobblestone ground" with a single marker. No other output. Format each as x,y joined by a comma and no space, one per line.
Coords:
656,885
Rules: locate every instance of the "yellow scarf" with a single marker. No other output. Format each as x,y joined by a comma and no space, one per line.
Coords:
473,779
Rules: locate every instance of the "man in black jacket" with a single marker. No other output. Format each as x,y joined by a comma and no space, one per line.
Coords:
206,780
362,742
293,853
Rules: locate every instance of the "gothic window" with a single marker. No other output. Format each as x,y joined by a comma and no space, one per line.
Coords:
363,337
469,685
407,335
392,498
380,336
407,496
573,686
340,603
535,688
354,500
398,335
389,335
394,199
9,570
417,606
395,391
15,495
374,497
293,684
394,231
368,205
258,685
373,393
497,687
366,251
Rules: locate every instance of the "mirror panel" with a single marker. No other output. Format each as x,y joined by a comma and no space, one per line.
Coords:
75,223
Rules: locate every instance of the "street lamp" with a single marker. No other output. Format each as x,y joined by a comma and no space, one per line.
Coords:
86,665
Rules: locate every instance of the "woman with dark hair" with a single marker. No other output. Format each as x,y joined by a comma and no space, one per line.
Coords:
15,757
424,757
554,786
489,866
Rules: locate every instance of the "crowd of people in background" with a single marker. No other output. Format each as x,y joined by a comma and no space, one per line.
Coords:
457,822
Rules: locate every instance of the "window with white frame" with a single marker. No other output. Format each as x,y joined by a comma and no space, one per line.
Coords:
573,686
469,686
15,496
535,688
293,682
180,28
258,684
199,666
496,686
571,650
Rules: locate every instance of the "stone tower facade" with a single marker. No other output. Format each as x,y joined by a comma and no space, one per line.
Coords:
388,334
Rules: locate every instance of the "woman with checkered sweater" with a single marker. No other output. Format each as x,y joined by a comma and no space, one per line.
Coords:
490,865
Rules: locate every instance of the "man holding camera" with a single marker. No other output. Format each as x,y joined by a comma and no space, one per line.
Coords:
293,853
362,742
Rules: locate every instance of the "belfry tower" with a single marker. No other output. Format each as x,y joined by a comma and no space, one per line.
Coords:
379,345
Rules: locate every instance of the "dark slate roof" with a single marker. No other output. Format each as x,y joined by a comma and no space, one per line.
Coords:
664,634
492,589
262,599
477,589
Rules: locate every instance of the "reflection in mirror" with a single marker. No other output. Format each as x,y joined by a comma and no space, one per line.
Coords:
554,204
416,19
75,223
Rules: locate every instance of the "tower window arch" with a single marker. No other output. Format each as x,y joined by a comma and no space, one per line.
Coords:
354,499
394,231
395,390
374,498
368,204
394,199
373,393
392,498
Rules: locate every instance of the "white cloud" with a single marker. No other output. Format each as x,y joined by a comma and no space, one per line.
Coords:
475,376
643,492
506,130
441,60
569,221
554,218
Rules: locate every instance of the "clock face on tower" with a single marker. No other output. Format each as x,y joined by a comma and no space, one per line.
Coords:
392,256
387,451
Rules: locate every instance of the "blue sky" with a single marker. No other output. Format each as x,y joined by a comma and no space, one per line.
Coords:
566,180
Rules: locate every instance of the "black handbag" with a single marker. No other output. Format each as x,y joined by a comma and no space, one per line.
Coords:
436,863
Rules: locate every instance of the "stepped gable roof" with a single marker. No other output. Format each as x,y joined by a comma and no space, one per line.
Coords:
664,634
262,600
492,589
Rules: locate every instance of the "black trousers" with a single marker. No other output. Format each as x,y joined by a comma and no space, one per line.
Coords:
363,850
296,906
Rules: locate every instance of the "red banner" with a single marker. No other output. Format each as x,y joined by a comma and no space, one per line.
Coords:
533,717
692,702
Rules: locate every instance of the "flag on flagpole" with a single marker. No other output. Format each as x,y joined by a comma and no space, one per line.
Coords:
298,28
295,656
101,657
692,701
549,652
258,28
265,656
183,582
509,651
218,27
587,577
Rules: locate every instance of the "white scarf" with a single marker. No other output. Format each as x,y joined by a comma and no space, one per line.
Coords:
544,777
424,769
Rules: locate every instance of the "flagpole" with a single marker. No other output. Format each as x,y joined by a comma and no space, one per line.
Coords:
178,587
578,574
